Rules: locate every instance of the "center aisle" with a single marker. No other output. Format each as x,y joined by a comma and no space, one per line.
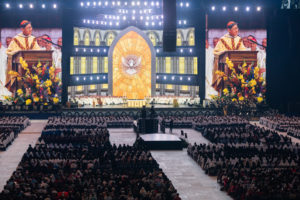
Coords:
10,158
188,178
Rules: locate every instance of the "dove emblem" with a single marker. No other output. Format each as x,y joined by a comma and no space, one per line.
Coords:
131,64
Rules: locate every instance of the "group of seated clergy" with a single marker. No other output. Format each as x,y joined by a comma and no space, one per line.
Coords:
250,162
81,163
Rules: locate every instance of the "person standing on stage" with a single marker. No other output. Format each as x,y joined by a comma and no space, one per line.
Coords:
171,125
230,41
3,67
22,41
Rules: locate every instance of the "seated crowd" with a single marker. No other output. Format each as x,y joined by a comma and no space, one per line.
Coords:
81,163
60,122
280,122
10,127
250,162
294,131
202,120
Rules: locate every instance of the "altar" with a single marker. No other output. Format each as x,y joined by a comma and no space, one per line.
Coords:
136,103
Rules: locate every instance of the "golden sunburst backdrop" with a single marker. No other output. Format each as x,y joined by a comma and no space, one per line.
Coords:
132,67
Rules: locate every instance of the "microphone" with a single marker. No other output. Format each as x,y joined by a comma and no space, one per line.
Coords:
49,41
253,41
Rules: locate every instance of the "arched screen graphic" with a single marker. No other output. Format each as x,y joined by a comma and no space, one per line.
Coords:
131,68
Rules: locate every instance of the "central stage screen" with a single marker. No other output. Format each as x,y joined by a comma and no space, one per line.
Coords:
131,69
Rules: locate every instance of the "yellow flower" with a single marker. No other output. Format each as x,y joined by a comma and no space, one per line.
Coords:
260,99
35,77
55,100
20,92
13,73
49,91
28,102
229,63
36,99
234,100
39,65
244,65
253,91
225,91
241,98
240,77
48,83
252,83
46,104
261,79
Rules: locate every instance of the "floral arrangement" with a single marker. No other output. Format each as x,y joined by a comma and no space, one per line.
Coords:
243,84
40,85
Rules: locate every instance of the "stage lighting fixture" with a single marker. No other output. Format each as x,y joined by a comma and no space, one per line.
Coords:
141,17
99,3
173,78
160,23
213,8
189,78
187,5
91,50
133,17
147,18
191,50
152,3
76,49
117,24
20,5
98,50
54,6
224,8
180,78
133,3
81,4
157,77
7,5
124,18
258,8
106,3
184,21
153,24
157,3
43,6
97,22
118,3
84,78
179,22
93,22
91,78
84,50
247,8
88,21
157,50
236,8
138,3
113,3
88,3
181,50
145,3
181,4
125,3
104,50
110,23
147,23
77,78
104,77
165,77
98,77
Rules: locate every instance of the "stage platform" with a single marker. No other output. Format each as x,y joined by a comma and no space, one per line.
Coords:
162,141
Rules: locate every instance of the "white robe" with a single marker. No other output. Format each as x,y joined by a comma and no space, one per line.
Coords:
209,66
3,68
